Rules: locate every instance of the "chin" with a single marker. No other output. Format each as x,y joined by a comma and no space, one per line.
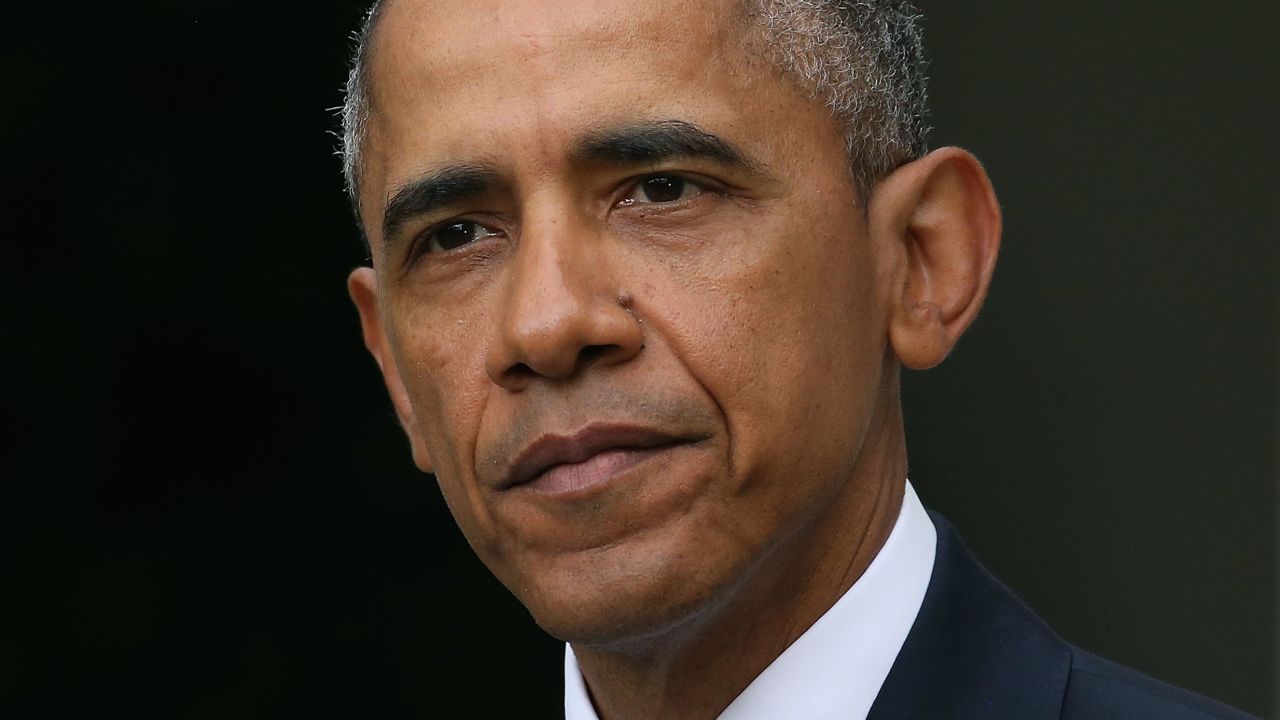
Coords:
633,594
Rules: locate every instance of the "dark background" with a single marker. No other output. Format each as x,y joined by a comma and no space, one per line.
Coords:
211,513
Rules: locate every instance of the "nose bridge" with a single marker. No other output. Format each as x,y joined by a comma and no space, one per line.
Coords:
560,304
548,282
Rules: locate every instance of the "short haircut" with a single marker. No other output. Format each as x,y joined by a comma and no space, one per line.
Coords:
862,58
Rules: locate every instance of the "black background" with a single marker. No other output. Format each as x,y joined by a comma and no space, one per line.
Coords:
211,512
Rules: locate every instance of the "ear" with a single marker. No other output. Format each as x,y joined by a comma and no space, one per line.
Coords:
940,221
362,285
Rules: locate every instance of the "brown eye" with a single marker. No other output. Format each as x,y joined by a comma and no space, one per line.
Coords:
662,189
456,234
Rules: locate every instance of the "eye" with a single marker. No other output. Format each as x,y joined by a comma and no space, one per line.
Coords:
662,189
454,235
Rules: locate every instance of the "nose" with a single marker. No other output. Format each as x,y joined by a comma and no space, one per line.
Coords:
561,309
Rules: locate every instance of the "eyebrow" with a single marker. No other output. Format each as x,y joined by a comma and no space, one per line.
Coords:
451,185
653,142
638,143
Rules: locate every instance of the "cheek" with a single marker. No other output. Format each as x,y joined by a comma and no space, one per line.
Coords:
441,356
780,323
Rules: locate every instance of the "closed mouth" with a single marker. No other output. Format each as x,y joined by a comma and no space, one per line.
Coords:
563,463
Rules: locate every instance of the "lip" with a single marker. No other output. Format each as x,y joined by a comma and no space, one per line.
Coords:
600,450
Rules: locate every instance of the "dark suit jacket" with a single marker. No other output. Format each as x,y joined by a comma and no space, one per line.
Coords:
977,652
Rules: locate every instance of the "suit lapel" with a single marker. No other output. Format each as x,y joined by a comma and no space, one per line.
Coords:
975,650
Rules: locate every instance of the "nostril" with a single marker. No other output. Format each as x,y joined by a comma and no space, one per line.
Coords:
520,370
557,367
591,353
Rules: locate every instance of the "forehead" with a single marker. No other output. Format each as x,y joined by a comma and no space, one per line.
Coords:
459,39
514,84
485,66
429,49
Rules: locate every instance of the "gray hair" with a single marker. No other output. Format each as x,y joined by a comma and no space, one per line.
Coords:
862,58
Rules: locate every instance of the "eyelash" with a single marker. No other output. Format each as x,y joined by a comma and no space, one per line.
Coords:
686,182
423,240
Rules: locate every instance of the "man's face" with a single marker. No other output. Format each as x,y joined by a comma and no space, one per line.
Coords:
628,293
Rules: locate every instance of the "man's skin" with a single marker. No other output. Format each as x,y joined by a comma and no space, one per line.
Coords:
663,270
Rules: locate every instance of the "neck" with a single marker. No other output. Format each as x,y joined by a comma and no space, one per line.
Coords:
697,669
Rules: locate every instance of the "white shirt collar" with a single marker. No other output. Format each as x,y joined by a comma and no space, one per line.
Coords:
835,669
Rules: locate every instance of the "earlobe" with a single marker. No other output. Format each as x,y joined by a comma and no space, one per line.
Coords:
942,219
362,286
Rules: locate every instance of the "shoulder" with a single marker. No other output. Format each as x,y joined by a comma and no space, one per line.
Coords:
1099,689
977,652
